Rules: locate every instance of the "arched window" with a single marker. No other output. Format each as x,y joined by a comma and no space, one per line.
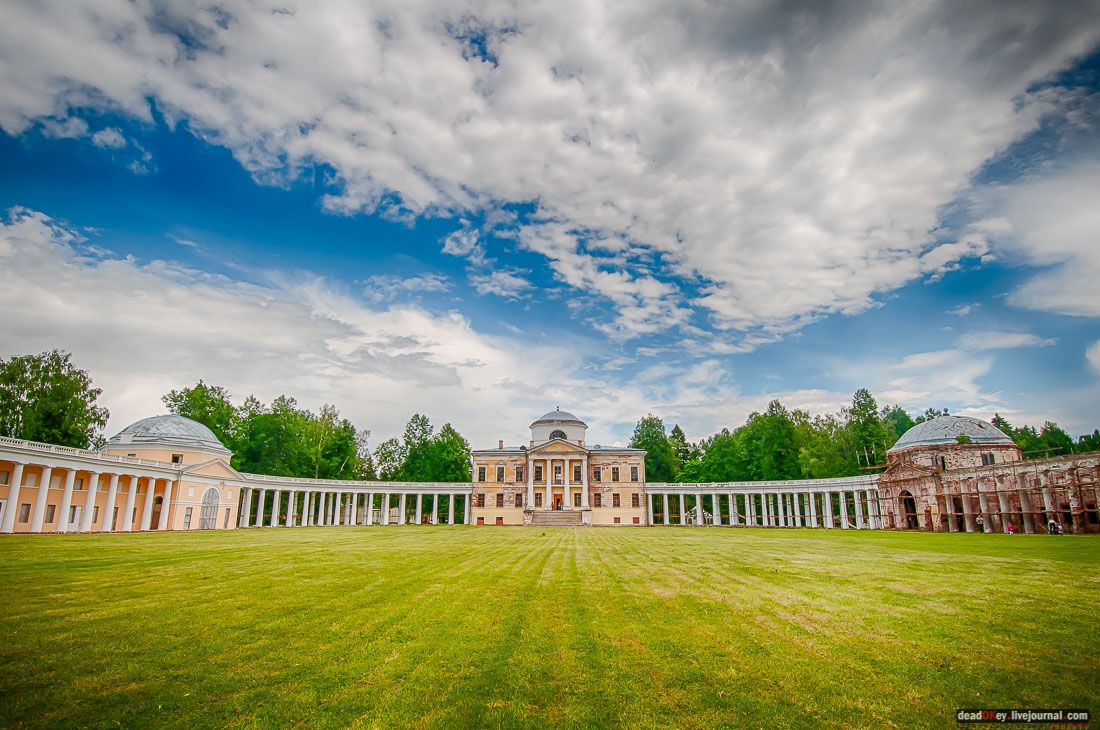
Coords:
209,512
559,434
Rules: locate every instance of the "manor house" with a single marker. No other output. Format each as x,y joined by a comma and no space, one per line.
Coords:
171,473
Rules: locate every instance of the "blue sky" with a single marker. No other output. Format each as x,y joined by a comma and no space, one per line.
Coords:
482,211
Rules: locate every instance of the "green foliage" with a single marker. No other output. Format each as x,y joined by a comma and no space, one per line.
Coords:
1089,442
423,456
868,431
930,413
767,446
208,404
685,451
661,464
962,438
46,398
897,422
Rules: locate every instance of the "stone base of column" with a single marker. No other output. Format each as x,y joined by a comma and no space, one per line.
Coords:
586,516
528,515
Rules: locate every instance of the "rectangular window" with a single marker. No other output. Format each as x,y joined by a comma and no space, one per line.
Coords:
72,514
500,499
576,500
614,473
481,473
190,491
576,473
557,473
5,477
939,461
24,513
519,474
519,500
500,520
114,518
78,485
538,472
615,500
187,518
987,460
538,499
597,500
636,521
596,473
49,513
177,458
634,500
481,500
481,520
617,520
95,514
633,473
500,473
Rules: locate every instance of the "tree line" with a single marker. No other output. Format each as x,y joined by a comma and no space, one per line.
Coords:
780,444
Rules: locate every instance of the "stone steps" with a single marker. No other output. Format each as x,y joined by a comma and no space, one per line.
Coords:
556,518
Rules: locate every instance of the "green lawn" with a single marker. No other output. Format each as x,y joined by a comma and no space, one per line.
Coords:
510,627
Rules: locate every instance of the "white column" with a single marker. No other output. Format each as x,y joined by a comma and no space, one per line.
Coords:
827,506
844,510
872,523
385,518
698,510
260,499
435,509
529,474
419,508
401,508
665,498
166,501
566,479
547,473
40,499
683,513
131,499
968,507
584,483
812,497
291,503
273,520
733,509
334,517
107,522
782,510
66,501
983,505
8,524
859,510
716,511
368,506
246,507
648,508
451,509
466,512
147,508
89,503
307,510
750,510
769,511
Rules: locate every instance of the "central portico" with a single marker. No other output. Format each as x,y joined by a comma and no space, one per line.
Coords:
557,478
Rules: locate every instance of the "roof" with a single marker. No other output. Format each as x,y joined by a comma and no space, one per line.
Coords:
558,415
946,430
169,430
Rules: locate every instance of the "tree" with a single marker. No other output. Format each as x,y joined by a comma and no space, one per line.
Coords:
684,451
207,404
930,413
1056,439
768,449
867,428
389,457
660,459
1089,442
897,422
450,456
46,398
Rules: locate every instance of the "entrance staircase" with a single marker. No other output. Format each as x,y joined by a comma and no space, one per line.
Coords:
556,518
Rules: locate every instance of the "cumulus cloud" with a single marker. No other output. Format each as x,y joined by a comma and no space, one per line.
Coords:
979,341
508,284
109,138
777,162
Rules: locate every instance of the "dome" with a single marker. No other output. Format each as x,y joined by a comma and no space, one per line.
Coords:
169,431
946,429
558,415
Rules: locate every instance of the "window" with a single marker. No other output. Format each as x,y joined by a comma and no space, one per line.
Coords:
988,460
500,473
519,500
614,473
114,518
617,520
500,499
177,458
538,499
24,513
481,520
576,473
939,461
72,514
597,500
557,473
225,524
636,522
634,500
596,473
577,500
481,500
49,513
5,477
519,473
481,473
500,520
615,500
559,434
78,485
538,472
633,473
95,514
1090,513
187,518
190,491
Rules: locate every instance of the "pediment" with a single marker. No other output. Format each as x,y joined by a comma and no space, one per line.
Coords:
214,468
558,446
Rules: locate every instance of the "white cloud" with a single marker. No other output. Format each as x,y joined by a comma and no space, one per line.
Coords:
508,284
387,287
963,309
109,138
979,341
68,128
784,161
1092,355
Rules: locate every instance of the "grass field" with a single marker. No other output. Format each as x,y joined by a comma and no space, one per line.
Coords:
510,627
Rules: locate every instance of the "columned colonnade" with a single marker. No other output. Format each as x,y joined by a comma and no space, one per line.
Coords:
846,503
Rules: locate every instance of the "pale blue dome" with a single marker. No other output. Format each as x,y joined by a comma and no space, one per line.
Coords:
946,430
170,430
